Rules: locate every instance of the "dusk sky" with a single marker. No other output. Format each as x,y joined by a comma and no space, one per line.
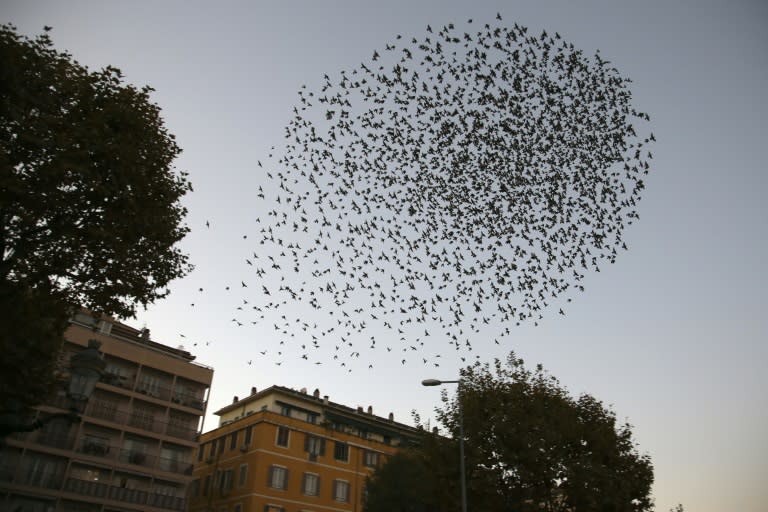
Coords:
672,335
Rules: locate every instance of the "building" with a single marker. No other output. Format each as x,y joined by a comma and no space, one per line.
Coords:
133,449
281,450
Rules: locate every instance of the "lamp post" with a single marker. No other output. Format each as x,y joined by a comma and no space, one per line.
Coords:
435,382
86,367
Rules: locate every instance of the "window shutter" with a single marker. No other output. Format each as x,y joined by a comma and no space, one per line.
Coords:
306,442
322,446
269,476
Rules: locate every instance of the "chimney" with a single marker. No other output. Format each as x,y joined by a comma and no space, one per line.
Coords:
360,409
253,390
303,391
325,399
391,417
370,410
316,393
144,334
234,399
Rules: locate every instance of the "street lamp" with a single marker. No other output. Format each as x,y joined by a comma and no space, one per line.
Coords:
435,382
86,367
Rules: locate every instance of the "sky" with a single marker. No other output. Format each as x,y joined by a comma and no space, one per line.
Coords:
671,335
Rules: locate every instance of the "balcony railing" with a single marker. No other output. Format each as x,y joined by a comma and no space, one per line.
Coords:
141,421
48,480
188,400
192,400
135,457
124,495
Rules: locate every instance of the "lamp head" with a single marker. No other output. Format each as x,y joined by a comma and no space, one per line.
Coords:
85,369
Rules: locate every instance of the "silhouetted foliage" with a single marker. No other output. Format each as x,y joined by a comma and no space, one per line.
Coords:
89,200
406,483
529,446
33,322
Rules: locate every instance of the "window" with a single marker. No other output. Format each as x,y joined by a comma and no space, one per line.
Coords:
341,451
341,490
207,485
233,441
142,417
282,436
95,445
278,477
200,453
104,409
173,458
221,442
195,488
273,508
225,483
149,385
371,459
248,434
314,445
285,410
243,475
134,451
311,484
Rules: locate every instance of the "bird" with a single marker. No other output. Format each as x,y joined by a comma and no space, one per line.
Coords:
462,183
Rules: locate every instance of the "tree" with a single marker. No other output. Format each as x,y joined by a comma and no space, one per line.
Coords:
530,446
29,342
90,211
406,483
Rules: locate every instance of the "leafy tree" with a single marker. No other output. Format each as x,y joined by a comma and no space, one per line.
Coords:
530,446
29,341
406,483
90,211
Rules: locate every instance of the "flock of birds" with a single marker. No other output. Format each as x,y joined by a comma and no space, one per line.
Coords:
453,183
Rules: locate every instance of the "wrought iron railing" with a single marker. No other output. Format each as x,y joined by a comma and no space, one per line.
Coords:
123,494
140,420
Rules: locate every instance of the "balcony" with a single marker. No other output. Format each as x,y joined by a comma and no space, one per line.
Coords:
174,465
95,449
189,400
139,420
117,380
103,491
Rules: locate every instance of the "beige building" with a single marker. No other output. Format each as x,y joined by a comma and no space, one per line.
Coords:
134,447
282,450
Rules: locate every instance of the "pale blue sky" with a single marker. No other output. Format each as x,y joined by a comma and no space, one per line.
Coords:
672,335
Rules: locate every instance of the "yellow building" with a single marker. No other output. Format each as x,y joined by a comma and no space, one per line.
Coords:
133,449
281,450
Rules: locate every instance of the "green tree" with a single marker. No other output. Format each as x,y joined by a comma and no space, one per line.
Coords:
404,484
530,446
90,211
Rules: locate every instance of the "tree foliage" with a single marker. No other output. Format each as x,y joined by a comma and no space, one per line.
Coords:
29,341
530,446
90,211
89,200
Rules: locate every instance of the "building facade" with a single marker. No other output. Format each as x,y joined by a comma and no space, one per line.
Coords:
134,446
281,450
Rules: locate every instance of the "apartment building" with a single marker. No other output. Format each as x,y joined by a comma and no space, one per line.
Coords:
282,450
133,449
